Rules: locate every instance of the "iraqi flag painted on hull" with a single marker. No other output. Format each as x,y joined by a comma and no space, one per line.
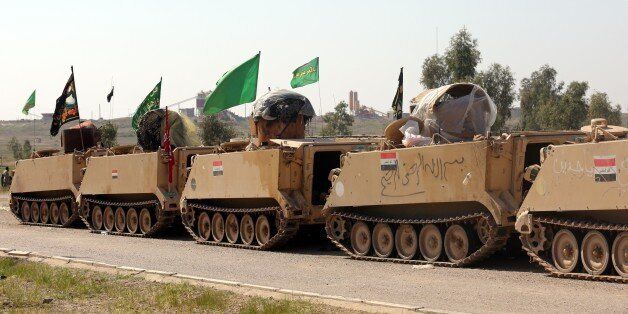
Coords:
388,161
605,168
217,168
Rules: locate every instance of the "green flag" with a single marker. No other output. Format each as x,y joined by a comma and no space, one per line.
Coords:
30,103
236,87
305,74
151,102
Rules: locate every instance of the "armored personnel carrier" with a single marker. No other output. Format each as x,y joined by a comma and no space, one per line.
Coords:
45,186
441,191
136,192
131,194
574,220
259,195
44,189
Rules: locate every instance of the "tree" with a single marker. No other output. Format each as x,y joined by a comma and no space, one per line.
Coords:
215,131
108,134
27,149
462,56
600,107
434,72
16,148
566,112
541,88
499,82
338,122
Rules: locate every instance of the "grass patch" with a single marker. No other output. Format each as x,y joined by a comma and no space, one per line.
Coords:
29,286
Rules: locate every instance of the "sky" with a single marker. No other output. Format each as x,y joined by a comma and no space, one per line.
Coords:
361,45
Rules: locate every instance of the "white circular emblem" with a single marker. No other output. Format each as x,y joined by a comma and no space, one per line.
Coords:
339,188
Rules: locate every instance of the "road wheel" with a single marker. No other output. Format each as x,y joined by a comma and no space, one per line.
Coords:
218,227
44,212
26,212
96,217
64,213
146,221
565,251
232,228
456,243
406,241
262,230
132,221
120,219
620,254
204,226
247,229
109,219
383,240
54,213
361,238
430,243
594,253
34,212
483,229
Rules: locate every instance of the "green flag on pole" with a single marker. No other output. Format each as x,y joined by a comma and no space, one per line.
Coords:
151,102
236,87
30,103
305,74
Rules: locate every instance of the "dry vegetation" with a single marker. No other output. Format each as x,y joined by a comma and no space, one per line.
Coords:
29,286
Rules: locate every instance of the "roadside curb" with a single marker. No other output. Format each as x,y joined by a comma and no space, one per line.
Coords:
238,287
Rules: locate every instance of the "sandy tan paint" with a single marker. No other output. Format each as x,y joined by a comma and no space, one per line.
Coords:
53,173
138,174
282,174
489,172
566,182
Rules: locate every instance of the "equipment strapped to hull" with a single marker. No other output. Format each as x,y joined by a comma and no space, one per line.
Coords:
240,225
493,238
545,259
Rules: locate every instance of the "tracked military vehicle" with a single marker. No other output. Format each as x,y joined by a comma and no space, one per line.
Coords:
45,186
136,192
441,191
574,220
256,195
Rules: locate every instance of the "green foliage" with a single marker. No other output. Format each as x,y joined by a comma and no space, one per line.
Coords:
600,107
108,134
27,149
214,131
540,89
266,306
16,148
434,72
28,283
20,151
499,82
567,111
338,122
462,56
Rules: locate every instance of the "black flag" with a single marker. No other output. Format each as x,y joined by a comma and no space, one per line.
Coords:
110,95
66,109
397,104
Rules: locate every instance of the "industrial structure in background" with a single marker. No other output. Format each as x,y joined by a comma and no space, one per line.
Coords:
362,111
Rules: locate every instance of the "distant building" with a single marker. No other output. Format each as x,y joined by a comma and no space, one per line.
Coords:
189,112
200,102
354,103
46,116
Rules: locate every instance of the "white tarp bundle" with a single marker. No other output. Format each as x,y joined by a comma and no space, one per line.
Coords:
457,112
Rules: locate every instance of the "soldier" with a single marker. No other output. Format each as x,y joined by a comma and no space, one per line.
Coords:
6,177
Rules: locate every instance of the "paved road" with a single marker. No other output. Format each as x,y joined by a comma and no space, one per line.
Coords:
499,285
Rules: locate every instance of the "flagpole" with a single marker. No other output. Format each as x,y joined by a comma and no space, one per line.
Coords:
111,103
76,102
